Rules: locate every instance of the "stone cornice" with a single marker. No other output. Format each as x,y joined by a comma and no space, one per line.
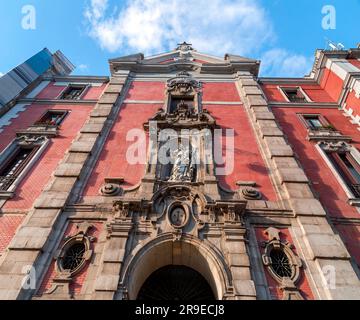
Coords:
319,105
217,68
57,101
84,79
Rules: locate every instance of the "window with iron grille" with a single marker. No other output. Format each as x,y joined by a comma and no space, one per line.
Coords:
73,92
348,168
52,118
11,170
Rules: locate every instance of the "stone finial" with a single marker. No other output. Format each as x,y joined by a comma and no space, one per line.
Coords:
185,46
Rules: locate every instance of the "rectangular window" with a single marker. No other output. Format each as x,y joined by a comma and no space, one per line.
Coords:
52,118
175,101
295,94
348,168
11,170
315,122
73,92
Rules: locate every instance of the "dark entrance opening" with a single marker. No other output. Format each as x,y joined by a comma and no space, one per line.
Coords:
176,283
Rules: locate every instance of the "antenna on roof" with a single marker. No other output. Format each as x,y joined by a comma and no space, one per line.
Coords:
334,46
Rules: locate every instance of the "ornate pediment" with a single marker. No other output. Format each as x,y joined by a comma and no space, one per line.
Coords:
183,84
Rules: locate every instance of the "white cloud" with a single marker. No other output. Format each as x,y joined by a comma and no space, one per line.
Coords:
82,67
153,26
282,63
1,74
216,27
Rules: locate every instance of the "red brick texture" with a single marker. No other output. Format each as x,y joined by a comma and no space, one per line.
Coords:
332,195
33,184
8,226
315,92
249,164
78,280
274,289
113,161
53,91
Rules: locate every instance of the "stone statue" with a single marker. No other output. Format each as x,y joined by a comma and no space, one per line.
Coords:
183,168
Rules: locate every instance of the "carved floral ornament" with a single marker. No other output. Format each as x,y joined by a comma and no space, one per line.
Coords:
183,84
339,146
282,264
179,205
31,140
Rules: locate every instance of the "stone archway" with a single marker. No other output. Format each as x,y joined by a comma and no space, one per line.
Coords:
176,283
189,252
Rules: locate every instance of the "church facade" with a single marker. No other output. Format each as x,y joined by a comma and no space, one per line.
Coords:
183,176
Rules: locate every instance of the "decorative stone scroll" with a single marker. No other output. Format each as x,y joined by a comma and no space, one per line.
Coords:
31,141
183,84
340,146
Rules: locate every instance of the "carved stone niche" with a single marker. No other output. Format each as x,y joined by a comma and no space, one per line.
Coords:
282,264
70,260
183,86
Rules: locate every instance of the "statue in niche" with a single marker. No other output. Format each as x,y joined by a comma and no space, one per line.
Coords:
183,169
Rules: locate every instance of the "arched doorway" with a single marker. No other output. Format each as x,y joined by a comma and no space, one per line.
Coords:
176,283
200,256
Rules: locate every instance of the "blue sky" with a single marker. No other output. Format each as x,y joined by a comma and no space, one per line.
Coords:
283,33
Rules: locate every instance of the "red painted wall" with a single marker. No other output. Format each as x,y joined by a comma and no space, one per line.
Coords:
324,182
275,291
33,184
354,103
112,161
332,84
52,91
355,62
249,165
142,90
78,281
315,92
220,92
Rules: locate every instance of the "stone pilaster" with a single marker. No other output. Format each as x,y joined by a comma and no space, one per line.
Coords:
107,282
39,234
321,247
238,261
